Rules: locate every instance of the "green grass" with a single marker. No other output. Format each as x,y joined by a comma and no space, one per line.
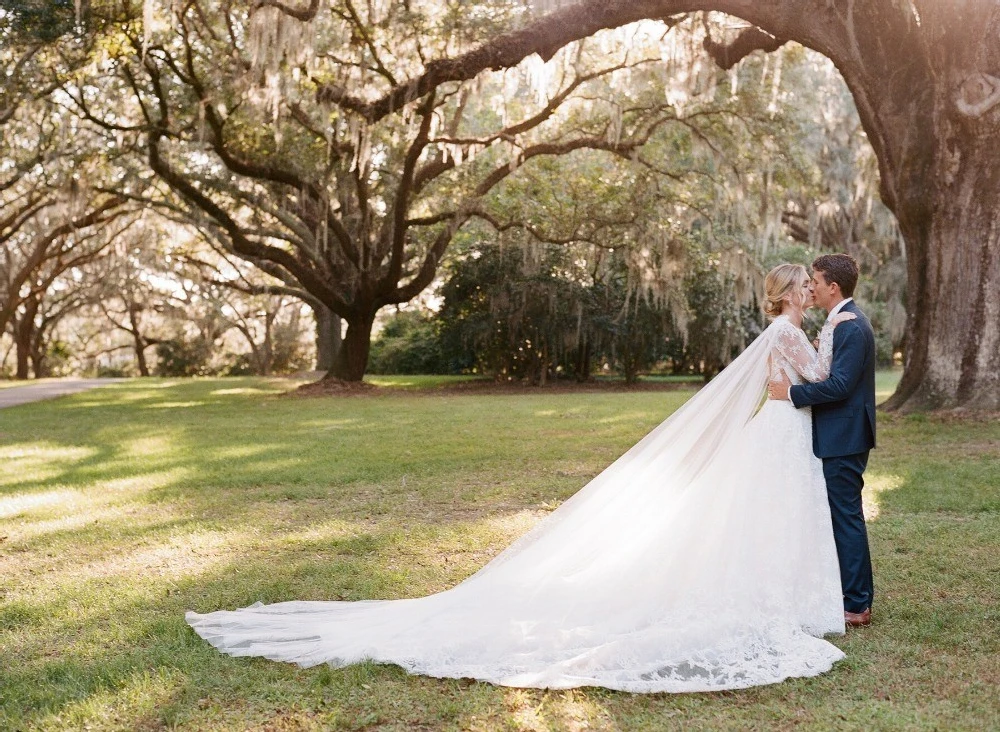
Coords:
121,508
664,379
885,383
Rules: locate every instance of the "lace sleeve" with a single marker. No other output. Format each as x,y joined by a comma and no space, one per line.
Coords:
793,345
825,355
826,339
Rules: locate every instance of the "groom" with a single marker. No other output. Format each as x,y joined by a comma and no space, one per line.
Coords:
843,411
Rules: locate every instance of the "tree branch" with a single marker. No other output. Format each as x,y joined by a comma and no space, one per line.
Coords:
303,14
549,34
362,30
727,55
425,275
242,245
401,203
242,166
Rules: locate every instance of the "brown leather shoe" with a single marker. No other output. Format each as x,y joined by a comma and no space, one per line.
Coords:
857,620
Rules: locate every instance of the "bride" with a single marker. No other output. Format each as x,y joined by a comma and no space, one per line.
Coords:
702,559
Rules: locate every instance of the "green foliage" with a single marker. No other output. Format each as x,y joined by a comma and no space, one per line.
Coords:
885,349
194,355
58,356
243,365
410,344
180,356
630,328
114,372
38,20
719,327
288,352
517,307
524,308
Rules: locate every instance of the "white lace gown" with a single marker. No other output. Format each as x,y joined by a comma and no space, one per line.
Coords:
703,559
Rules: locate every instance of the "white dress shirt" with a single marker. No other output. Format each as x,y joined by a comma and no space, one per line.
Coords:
838,307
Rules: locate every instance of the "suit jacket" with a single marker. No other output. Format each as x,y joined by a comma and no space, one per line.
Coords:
843,406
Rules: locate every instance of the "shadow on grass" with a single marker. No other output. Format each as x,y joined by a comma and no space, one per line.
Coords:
239,447
272,449
126,653
132,658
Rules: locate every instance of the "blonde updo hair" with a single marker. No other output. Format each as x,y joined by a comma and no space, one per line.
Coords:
779,282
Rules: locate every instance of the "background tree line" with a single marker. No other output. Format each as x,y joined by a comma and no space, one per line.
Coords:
193,188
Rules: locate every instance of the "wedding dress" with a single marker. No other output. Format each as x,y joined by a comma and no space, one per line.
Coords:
702,559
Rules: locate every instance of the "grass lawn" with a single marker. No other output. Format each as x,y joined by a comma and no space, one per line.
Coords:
123,507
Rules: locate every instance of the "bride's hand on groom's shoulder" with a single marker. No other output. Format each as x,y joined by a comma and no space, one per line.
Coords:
842,317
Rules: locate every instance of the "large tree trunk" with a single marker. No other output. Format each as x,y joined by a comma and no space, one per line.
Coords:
267,347
952,357
140,343
328,337
140,356
24,336
351,361
23,360
23,330
930,103
39,355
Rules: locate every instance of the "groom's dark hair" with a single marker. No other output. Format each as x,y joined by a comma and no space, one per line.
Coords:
839,268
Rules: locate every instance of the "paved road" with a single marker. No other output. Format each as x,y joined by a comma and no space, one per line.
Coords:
14,395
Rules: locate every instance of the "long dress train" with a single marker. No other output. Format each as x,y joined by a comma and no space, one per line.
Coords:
702,559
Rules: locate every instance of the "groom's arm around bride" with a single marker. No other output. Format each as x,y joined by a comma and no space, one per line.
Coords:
844,404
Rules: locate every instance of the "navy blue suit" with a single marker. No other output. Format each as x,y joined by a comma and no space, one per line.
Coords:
843,422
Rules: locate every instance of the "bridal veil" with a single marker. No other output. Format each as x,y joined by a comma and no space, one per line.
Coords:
684,566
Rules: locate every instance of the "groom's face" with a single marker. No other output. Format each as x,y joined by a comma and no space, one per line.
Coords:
827,293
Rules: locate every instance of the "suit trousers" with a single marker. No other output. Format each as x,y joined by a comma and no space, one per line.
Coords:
844,481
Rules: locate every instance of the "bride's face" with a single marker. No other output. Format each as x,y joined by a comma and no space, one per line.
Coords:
808,293
803,296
